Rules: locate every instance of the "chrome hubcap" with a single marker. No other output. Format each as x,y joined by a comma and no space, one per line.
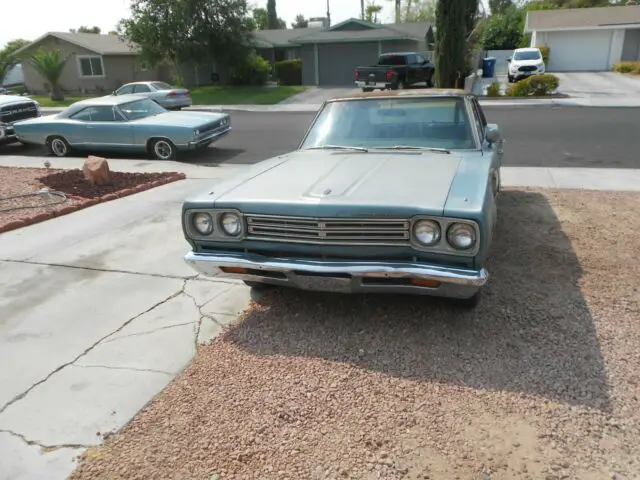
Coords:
58,147
163,150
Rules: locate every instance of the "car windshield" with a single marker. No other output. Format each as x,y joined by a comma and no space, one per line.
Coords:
427,122
162,86
527,55
391,60
141,109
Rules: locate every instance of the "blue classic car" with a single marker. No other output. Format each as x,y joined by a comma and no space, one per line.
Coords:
126,123
388,192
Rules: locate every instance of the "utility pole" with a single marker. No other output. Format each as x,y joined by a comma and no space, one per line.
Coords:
398,11
361,9
328,15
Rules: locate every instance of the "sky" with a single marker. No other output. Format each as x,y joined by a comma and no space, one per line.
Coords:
61,15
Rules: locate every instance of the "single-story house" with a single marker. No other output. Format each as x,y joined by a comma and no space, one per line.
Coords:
97,63
586,39
331,55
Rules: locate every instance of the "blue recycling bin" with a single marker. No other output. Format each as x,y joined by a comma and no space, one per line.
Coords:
488,67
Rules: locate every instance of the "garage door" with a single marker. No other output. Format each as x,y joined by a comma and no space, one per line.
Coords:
338,62
579,51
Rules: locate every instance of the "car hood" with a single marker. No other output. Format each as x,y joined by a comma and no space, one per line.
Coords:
343,183
526,63
185,119
9,99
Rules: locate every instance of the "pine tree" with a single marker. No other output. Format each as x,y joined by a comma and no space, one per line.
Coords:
451,42
272,15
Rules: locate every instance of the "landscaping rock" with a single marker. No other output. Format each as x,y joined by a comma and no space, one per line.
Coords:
96,171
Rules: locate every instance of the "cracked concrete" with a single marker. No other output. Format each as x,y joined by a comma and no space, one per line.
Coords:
99,313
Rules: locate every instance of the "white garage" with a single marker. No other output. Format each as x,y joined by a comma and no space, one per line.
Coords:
579,51
584,39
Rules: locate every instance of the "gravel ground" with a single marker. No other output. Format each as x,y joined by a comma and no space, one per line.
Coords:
19,181
540,382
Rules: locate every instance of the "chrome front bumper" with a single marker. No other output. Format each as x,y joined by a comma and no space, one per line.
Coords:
342,276
201,142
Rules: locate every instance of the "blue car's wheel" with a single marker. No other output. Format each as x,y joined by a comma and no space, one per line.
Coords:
58,146
162,149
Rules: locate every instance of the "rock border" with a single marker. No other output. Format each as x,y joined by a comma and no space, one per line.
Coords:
85,203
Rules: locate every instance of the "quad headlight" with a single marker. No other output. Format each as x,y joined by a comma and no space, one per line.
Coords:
231,224
427,232
461,236
203,223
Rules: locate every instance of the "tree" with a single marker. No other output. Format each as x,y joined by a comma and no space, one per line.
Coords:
84,29
260,18
498,7
178,31
451,42
371,12
50,64
8,58
504,31
420,11
272,16
300,22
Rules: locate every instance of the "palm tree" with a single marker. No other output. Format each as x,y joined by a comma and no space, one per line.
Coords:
7,62
50,64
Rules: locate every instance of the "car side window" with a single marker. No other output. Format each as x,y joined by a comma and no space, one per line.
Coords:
96,114
411,59
141,88
483,119
420,59
477,119
125,89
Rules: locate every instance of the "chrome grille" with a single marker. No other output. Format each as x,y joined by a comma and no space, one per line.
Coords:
331,231
18,111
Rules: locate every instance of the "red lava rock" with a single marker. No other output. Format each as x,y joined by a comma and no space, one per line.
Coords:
96,171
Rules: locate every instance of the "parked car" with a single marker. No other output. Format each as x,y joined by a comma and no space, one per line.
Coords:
14,108
525,62
170,97
387,192
395,71
124,123
5,91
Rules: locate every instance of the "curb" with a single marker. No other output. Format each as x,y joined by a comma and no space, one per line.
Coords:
85,203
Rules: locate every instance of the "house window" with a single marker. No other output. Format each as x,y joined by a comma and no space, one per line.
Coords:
144,67
91,66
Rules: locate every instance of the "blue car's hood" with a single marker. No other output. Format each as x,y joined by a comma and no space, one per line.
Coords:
343,183
185,119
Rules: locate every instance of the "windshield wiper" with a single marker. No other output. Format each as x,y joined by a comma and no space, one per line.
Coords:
412,147
337,147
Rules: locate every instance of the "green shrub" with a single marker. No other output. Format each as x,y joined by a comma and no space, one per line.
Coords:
627,67
493,90
253,70
535,85
544,50
289,72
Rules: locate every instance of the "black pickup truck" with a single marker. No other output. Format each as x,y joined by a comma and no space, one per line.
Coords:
396,71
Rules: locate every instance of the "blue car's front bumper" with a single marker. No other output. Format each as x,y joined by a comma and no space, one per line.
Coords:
343,276
208,139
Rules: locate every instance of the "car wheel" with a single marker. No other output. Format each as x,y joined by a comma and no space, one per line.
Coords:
430,83
510,79
58,146
162,149
400,85
367,90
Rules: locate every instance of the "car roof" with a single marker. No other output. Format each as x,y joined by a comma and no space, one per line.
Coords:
418,93
527,49
110,100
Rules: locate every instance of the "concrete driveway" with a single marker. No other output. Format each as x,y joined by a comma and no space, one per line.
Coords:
317,95
99,313
599,84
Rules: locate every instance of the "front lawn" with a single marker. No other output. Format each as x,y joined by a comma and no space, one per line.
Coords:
243,95
211,95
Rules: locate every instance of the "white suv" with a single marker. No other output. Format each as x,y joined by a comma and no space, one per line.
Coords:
525,62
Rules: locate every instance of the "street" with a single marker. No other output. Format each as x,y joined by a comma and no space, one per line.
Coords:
536,137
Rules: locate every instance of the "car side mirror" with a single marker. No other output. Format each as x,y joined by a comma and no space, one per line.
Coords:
492,133
114,93
509,60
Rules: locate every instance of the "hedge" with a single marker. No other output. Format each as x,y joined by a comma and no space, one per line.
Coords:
535,85
627,67
289,72
254,70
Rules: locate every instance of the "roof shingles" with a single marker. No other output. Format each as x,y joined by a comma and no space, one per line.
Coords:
569,18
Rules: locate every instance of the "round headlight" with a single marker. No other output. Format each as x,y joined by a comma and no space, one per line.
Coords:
461,236
427,232
203,223
231,224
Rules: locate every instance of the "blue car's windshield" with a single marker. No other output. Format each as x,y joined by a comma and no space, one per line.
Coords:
140,109
423,122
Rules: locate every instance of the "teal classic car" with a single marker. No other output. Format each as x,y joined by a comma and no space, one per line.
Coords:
125,123
392,191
